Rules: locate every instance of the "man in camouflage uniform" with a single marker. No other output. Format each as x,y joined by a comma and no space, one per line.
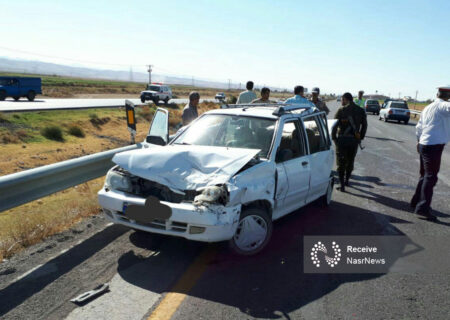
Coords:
348,132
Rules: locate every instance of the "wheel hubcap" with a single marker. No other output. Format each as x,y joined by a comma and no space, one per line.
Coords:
251,233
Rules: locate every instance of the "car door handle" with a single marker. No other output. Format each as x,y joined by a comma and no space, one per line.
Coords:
305,163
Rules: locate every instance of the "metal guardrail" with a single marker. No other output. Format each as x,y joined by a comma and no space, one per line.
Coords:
22,187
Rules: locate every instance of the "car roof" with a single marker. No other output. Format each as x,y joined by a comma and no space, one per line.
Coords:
258,111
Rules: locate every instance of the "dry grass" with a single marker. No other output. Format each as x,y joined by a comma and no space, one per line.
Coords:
31,223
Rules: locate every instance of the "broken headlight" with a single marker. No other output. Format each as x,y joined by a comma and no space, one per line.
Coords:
212,194
118,181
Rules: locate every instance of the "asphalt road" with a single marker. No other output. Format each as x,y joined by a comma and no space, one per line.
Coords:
10,105
166,277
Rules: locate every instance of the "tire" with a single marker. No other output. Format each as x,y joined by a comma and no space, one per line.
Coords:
156,101
398,121
166,100
406,121
325,200
31,95
142,100
16,98
2,95
252,221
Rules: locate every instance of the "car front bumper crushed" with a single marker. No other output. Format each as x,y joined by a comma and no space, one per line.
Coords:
219,222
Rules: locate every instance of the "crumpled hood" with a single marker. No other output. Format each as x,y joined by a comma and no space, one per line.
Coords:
185,167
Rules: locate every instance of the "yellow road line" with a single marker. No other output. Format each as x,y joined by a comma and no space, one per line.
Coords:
170,303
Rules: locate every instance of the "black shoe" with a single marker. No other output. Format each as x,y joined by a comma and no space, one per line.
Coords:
432,218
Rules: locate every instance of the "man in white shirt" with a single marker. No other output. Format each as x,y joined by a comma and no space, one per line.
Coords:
247,96
299,98
433,133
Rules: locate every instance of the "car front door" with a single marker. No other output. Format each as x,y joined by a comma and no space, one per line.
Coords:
293,169
159,129
13,89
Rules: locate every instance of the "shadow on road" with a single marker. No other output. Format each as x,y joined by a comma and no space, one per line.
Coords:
19,291
384,139
272,283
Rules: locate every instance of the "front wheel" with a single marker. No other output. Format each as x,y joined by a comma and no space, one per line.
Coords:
156,101
16,98
166,100
142,100
31,95
253,232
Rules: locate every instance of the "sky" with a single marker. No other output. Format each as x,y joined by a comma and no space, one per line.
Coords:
393,47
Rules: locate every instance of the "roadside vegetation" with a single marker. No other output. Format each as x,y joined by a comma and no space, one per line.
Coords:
33,139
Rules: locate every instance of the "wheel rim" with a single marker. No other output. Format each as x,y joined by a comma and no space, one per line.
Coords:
251,233
329,192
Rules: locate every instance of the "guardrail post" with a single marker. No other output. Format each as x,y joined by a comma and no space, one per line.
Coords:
131,120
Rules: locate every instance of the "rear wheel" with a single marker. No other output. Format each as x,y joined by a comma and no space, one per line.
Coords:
16,98
156,101
2,95
166,100
31,95
406,121
253,232
325,200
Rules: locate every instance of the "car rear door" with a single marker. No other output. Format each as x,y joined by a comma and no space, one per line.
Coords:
293,172
158,133
321,156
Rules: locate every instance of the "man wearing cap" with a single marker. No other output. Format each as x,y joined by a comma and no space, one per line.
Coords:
433,133
299,98
247,96
360,101
319,103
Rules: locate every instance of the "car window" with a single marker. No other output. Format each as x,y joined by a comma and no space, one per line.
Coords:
399,105
372,102
315,134
230,131
292,139
159,127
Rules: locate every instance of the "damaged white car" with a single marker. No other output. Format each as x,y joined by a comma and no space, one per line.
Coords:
226,176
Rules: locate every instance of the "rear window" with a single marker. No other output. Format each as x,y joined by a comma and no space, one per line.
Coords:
373,102
399,105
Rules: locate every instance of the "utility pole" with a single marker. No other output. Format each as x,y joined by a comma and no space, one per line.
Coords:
149,70
131,73
193,83
229,84
415,100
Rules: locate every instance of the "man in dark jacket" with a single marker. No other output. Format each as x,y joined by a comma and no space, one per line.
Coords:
348,132
190,111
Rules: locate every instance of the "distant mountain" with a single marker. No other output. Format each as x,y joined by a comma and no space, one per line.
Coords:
39,67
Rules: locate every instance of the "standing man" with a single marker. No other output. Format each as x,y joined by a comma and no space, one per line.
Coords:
247,96
433,133
265,94
319,103
190,112
347,133
360,101
299,97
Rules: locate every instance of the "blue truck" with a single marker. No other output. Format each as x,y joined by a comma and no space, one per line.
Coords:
17,87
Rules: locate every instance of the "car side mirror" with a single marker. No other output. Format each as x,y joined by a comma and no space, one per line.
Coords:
156,140
284,155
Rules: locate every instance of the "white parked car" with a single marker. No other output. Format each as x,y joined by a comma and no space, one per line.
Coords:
395,110
227,176
220,96
156,92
